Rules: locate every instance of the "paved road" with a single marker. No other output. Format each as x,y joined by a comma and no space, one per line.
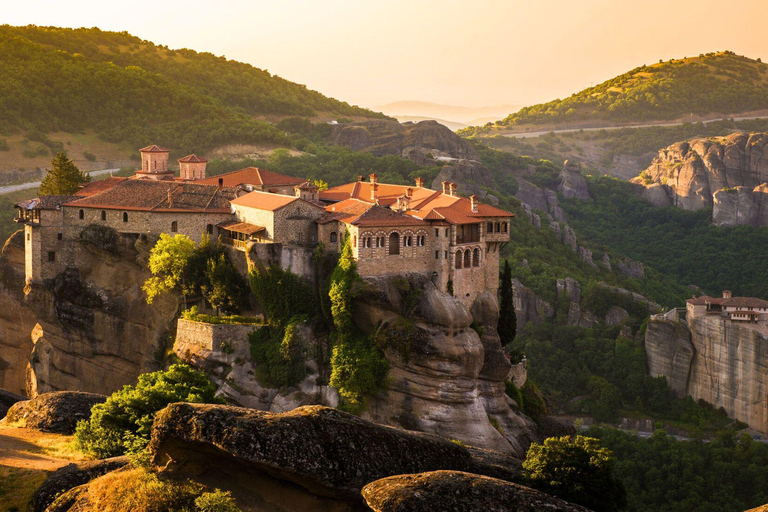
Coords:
526,135
34,184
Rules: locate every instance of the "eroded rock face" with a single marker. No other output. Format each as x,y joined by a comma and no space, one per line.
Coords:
454,490
444,378
56,412
690,174
572,183
323,450
88,329
669,352
71,476
741,206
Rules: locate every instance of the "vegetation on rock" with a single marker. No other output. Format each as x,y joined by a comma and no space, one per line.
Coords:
63,178
123,423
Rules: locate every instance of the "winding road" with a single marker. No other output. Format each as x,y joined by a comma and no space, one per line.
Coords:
34,184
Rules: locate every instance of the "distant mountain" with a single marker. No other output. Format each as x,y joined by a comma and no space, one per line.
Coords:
456,115
721,83
133,91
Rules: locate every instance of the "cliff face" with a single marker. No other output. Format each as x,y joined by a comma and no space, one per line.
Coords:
720,361
89,329
689,174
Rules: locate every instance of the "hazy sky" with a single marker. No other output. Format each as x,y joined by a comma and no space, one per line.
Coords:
473,53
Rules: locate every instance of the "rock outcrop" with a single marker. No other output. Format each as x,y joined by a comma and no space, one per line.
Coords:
89,329
56,412
426,140
7,399
572,183
444,377
725,363
454,490
323,450
71,476
690,174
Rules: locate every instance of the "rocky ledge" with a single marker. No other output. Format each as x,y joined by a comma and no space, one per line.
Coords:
56,412
454,490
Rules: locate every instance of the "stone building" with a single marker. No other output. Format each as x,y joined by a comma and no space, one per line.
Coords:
745,310
394,229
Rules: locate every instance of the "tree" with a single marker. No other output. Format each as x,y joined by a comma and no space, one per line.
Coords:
123,423
507,318
168,262
577,470
63,178
225,289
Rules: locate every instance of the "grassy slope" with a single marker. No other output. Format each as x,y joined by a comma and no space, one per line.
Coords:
722,83
132,91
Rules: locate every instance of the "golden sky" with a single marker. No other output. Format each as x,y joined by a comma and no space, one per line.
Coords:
458,52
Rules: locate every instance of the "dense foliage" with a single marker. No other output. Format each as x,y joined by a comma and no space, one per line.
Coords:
129,90
279,354
123,423
716,82
63,178
507,326
578,470
283,295
684,244
358,367
661,473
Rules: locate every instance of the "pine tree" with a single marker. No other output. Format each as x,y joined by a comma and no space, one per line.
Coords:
507,319
63,178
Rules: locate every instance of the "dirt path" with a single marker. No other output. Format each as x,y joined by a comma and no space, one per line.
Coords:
25,448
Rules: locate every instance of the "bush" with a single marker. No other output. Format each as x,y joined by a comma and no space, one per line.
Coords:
89,156
283,295
216,501
279,354
122,424
578,470
193,315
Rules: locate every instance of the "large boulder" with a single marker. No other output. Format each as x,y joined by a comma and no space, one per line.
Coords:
325,451
457,491
572,183
71,476
57,412
7,399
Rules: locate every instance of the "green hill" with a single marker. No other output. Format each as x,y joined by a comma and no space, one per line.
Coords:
715,83
129,90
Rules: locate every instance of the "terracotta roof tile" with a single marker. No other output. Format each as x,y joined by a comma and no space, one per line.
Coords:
734,302
194,159
45,202
241,227
252,176
154,149
267,201
378,215
96,187
150,195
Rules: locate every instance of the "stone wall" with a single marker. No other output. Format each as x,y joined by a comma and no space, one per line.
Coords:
200,338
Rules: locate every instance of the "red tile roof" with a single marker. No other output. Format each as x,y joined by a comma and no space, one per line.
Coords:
150,195
192,159
378,215
252,176
154,149
267,201
45,202
734,302
96,187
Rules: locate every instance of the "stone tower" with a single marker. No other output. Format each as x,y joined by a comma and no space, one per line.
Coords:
154,163
192,167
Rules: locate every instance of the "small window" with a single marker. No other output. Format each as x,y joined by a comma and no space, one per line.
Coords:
209,229
504,227
394,244
103,215
81,214
28,237
445,254
174,227
476,258
437,232
354,241
498,227
334,237
490,228
459,257
467,258
59,236
125,216
437,255
51,256
446,231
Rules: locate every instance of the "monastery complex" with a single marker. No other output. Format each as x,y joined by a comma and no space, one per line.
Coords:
394,229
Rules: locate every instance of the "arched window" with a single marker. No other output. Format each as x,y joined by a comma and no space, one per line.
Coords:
334,237
394,243
498,227
504,227
125,216
407,241
490,228
458,259
174,227
476,257
103,215
354,241
81,215
467,258
209,229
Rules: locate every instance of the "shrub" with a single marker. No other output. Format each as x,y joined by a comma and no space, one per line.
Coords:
122,424
577,470
283,295
279,354
89,156
194,315
216,501
4,145
533,400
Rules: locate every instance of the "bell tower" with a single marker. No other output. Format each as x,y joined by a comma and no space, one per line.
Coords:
154,163
192,167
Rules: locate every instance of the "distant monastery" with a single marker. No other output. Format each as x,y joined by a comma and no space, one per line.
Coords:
394,229
749,311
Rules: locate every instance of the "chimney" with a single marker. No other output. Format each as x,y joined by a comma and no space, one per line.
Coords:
726,294
374,178
374,191
446,188
452,189
409,192
170,199
473,202
221,183
420,182
360,178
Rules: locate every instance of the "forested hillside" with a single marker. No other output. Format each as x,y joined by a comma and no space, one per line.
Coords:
723,83
133,91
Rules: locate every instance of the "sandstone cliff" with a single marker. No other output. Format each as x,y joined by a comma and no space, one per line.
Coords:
89,329
690,174
710,358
